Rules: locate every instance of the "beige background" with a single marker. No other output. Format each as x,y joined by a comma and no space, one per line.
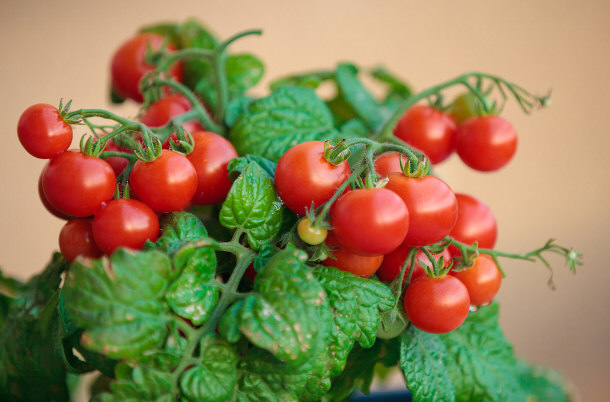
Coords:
557,185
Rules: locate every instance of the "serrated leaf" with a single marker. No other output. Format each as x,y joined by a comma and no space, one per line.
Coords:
358,97
140,383
177,228
283,314
291,115
236,107
253,206
237,165
421,361
119,301
214,376
542,384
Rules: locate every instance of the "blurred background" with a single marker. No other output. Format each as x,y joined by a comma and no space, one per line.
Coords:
556,186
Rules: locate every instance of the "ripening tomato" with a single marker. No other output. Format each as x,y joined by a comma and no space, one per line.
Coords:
311,234
345,260
430,130
76,239
129,65
482,279
76,184
464,107
166,184
486,143
303,177
370,221
163,110
431,204
210,157
389,162
124,222
436,305
393,262
475,222
42,131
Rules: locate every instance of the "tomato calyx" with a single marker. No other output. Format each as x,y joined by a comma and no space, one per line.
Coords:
336,154
150,148
183,143
416,167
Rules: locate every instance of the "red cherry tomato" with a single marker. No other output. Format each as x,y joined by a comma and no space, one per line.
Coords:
389,162
129,65
345,260
124,223
42,132
370,221
393,262
475,222
210,157
432,207
429,130
52,210
76,239
437,305
117,163
303,176
163,110
486,143
482,280
76,184
166,184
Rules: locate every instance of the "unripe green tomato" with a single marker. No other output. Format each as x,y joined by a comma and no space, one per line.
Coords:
311,234
464,107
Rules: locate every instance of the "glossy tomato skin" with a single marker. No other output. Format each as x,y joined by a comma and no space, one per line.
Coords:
166,184
117,163
126,223
431,204
45,202
486,143
370,221
303,176
482,279
42,132
76,184
210,157
129,66
437,305
475,222
429,130
76,239
345,260
393,262
163,110
389,162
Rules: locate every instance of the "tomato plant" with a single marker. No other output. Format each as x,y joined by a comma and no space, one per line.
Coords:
76,184
166,184
117,163
475,222
482,279
210,157
163,110
124,222
437,305
392,263
389,162
42,131
303,177
431,204
370,221
428,129
345,260
76,239
486,143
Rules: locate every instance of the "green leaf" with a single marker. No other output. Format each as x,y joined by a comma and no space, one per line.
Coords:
358,97
290,115
235,108
238,165
356,304
283,315
119,301
308,80
253,206
398,90
177,228
542,384
421,361
139,383
214,376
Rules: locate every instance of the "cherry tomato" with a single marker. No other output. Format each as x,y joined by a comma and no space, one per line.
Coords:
475,222
437,305
389,162
464,107
432,207
393,262
345,260
76,239
370,221
42,132
429,130
124,223
482,280
311,234
303,177
129,65
486,143
210,157
76,184
163,110
117,163
52,210
166,184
